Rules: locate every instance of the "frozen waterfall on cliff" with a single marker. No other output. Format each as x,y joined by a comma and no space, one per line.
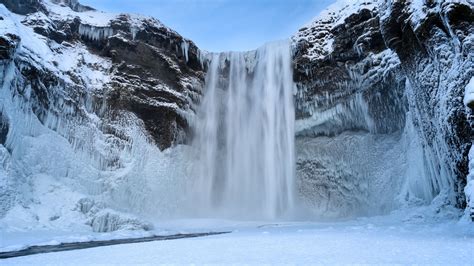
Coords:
245,135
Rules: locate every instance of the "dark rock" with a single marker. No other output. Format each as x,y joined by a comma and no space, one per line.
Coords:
8,45
3,129
23,7
152,77
357,65
74,5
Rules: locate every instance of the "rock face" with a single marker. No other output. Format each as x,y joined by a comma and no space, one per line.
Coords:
150,71
390,76
435,45
87,97
94,107
341,57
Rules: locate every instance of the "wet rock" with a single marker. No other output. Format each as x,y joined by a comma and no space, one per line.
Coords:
8,46
23,7
3,129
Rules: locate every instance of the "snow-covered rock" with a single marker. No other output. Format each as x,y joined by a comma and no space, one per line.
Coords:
108,221
434,41
391,75
92,105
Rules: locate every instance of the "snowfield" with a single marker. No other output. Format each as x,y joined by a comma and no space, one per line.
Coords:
369,240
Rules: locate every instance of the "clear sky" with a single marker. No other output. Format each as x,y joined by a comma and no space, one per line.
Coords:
223,25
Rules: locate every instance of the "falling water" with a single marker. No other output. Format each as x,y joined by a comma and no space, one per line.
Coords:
245,135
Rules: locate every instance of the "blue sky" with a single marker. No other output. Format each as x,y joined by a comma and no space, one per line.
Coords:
224,25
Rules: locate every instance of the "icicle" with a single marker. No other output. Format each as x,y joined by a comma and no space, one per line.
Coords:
95,33
134,31
202,57
184,49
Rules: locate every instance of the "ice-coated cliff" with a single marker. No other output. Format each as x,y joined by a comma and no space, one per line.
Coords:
381,86
90,104
109,121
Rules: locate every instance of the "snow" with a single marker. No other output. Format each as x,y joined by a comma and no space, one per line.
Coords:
367,241
341,9
92,17
469,92
318,30
31,43
469,189
95,25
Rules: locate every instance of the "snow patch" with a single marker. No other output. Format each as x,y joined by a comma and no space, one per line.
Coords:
469,93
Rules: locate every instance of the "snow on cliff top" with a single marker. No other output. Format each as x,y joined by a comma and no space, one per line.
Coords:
61,59
94,17
318,31
337,12
30,41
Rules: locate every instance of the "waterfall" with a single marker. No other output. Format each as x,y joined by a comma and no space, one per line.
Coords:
245,135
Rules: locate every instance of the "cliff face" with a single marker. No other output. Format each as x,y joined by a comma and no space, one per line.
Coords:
95,106
435,45
393,75
86,99
152,68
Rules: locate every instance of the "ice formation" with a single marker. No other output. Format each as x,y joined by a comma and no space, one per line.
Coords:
353,102
184,49
95,33
469,189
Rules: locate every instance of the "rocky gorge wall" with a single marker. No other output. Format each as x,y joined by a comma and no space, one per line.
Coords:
381,123
381,84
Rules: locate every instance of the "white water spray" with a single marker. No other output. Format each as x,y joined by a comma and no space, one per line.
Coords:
245,135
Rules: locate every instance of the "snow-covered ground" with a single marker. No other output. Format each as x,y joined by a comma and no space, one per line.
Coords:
366,240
